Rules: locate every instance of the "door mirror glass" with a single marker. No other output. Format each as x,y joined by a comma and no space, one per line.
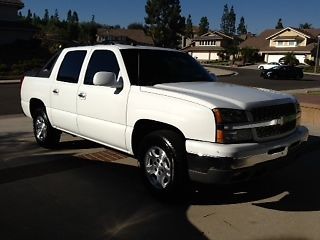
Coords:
107,79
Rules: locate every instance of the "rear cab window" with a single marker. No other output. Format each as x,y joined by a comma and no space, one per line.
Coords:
45,72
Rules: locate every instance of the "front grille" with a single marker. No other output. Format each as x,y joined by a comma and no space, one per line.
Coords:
270,131
274,112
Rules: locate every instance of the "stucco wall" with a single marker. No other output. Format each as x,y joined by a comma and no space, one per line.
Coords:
8,13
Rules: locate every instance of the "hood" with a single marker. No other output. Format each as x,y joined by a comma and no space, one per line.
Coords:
218,94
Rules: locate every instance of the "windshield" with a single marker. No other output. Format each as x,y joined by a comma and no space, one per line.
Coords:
150,67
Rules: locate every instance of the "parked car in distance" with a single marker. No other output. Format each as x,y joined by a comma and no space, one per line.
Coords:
268,65
282,72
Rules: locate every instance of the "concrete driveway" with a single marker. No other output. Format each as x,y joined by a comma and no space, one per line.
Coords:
59,194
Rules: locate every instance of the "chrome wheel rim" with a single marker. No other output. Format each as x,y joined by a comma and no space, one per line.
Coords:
41,128
158,168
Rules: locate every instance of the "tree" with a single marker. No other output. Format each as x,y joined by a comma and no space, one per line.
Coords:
203,26
29,16
242,28
69,16
46,16
75,17
224,19
290,59
249,54
164,22
189,27
305,25
231,22
228,20
279,24
56,16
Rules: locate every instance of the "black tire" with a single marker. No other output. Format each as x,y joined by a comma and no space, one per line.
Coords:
163,163
261,68
45,135
299,76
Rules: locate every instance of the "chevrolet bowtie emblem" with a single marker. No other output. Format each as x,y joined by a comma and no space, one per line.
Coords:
281,121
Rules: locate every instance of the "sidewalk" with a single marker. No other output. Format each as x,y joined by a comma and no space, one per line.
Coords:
220,72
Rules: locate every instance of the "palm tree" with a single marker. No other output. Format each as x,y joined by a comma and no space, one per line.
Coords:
290,59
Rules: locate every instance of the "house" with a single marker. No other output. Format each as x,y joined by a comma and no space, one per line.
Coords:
208,46
273,44
11,27
125,36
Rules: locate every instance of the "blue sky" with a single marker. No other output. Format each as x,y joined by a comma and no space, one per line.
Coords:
258,14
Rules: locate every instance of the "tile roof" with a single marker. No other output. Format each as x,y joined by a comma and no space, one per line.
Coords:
215,37
136,35
260,42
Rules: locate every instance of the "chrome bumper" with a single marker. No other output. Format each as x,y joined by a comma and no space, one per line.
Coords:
206,159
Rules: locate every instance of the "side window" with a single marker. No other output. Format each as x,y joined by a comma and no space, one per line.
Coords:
71,66
101,60
45,72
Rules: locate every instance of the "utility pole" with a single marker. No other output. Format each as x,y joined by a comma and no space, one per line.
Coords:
316,64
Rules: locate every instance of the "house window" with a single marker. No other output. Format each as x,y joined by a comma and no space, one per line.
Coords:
286,43
292,43
280,43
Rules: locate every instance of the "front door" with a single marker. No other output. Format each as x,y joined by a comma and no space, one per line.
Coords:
102,110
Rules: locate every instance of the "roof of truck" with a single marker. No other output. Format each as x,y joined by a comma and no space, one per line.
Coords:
119,46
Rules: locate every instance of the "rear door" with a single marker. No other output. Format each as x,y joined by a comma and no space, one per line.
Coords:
102,110
64,91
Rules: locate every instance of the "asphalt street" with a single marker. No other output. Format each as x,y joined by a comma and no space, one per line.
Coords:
248,77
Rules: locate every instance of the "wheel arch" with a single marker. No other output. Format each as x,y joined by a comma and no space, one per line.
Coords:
35,104
145,126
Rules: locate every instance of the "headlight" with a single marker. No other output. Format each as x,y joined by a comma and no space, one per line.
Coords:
298,111
226,118
227,115
298,107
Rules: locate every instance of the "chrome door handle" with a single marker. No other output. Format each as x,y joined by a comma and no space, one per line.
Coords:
82,95
55,91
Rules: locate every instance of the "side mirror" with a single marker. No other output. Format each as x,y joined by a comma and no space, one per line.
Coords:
107,79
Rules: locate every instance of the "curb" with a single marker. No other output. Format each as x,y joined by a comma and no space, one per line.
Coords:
228,73
9,81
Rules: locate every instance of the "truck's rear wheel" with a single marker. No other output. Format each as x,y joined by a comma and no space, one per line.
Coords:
45,135
162,162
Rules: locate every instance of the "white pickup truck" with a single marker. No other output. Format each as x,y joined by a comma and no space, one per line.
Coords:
165,109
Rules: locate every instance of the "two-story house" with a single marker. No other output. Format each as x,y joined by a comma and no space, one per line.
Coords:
208,46
274,44
11,27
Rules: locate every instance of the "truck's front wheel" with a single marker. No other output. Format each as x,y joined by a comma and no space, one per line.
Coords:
162,162
45,135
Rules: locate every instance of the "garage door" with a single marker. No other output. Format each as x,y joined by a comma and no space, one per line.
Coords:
301,58
201,55
274,58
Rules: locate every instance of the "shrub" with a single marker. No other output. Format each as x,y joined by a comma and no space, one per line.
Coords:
309,62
